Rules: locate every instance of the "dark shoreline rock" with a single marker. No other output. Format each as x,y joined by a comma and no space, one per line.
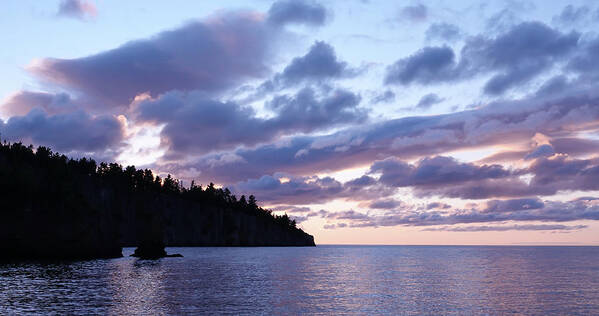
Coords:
152,250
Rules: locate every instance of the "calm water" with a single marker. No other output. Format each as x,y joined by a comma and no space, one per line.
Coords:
322,280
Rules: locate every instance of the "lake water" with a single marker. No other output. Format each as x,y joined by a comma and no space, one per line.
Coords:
363,280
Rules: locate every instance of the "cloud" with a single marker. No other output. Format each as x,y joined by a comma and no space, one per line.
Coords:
79,9
196,124
22,102
575,146
428,100
318,65
513,57
349,215
282,189
443,31
571,15
74,131
434,172
385,97
501,122
518,55
549,176
552,211
209,56
296,190
586,61
297,12
545,150
415,13
387,204
503,20
506,228
554,85
437,205
514,205
428,65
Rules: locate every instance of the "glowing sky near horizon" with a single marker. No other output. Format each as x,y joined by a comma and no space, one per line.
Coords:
369,122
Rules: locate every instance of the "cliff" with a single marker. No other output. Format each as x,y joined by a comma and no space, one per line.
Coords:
55,207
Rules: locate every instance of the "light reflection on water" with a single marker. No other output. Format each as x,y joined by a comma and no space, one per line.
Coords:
317,280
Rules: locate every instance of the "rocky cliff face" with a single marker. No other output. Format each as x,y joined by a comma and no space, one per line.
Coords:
54,227
189,224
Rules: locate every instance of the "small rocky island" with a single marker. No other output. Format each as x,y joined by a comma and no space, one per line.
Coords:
54,207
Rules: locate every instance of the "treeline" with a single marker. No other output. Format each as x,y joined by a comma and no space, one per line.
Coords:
20,184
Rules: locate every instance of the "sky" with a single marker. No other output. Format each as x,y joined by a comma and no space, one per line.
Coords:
368,122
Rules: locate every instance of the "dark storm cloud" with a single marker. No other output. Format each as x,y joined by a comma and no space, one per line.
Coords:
514,57
297,12
74,131
209,56
196,124
415,13
443,31
79,9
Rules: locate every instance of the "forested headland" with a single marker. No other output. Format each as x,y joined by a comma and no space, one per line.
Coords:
57,207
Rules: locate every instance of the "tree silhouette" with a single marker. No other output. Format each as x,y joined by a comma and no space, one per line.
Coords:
29,176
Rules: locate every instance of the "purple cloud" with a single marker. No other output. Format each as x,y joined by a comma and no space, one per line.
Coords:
428,100
22,102
282,189
580,209
514,57
501,122
209,56
319,64
297,12
549,176
74,131
196,124
434,172
426,66
502,228
384,97
571,15
415,13
514,205
443,31
79,9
